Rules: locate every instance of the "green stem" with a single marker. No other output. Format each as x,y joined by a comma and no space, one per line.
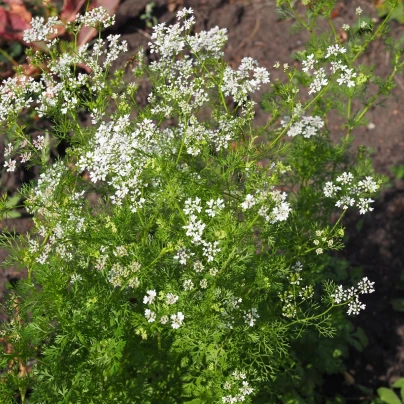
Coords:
300,19
337,222
238,241
307,106
372,100
305,320
333,29
8,57
364,46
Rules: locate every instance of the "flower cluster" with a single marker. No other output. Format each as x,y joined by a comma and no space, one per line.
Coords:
41,30
307,126
195,227
323,241
351,192
238,83
240,392
120,275
96,18
176,319
351,295
320,78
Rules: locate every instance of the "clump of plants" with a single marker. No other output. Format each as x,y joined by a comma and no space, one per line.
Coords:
179,251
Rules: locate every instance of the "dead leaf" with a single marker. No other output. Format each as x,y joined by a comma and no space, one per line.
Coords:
342,35
14,20
349,379
3,21
70,9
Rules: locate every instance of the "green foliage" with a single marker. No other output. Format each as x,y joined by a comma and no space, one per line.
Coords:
389,396
180,253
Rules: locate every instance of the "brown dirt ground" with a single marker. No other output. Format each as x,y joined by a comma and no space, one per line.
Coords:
377,245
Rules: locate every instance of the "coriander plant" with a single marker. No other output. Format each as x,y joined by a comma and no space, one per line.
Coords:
179,251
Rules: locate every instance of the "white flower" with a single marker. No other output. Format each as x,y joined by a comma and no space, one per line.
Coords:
177,320
41,31
346,77
345,178
250,317
333,50
149,298
182,255
319,251
39,142
281,212
98,16
213,271
363,205
25,157
351,295
121,251
238,83
249,202
203,283
308,63
188,285
346,27
246,389
195,229
150,315
184,13
164,320
355,307
358,11
210,250
227,386
368,185
75,278
8,150
330,190
319,81
214,207
171,298
337,65
198,266
365,286
345,202
10,164
192,206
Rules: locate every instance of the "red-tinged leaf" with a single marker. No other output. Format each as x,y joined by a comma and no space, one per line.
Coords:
19,17
87,34
70,9
12,2
3,21
334,14
14,21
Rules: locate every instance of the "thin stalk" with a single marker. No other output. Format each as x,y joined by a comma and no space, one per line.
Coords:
371,102
333,29
306,320
8,57
364,46
307,106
